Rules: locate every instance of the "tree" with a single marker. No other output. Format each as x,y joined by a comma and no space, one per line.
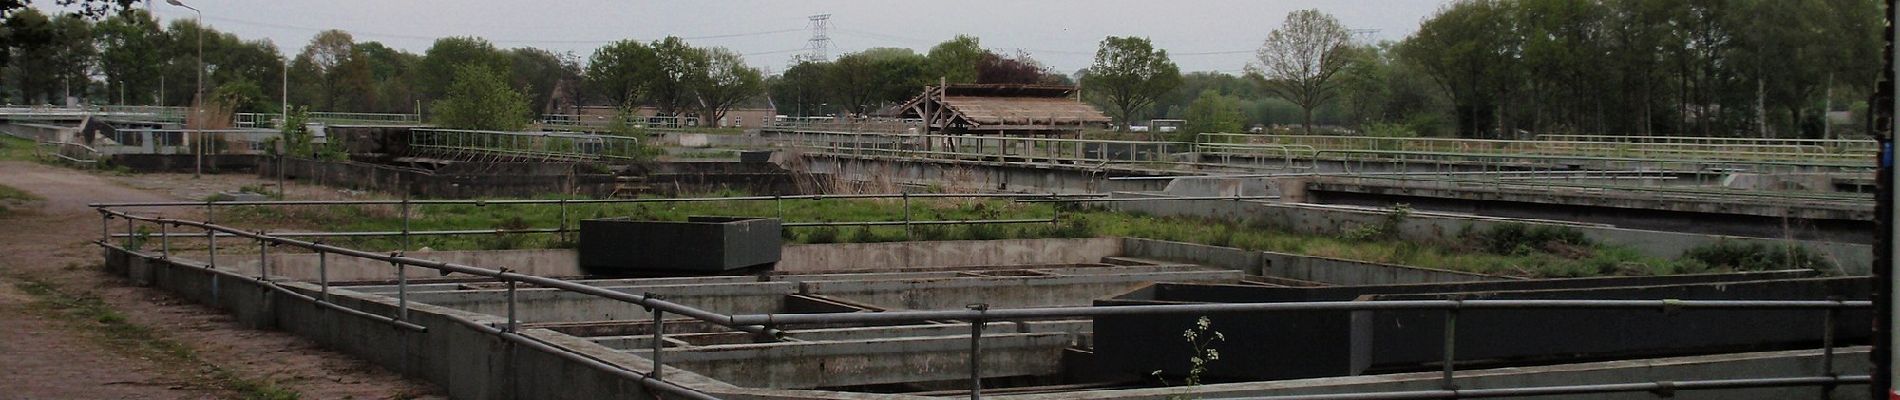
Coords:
676,66
620,72
1298,61
801,88
995,68
128,56
443,62
726,82
955,60
334,75
1129,73
1211,113
31,37
479,98
537,72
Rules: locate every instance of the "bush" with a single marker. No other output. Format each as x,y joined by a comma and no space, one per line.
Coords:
1732,255
1520,239
823,234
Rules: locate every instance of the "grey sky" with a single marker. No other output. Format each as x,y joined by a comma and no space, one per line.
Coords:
1060,33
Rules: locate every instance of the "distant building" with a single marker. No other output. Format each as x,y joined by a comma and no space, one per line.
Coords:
1002,109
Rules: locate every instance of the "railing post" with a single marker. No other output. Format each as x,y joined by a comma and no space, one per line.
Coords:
211,257
1827,350
164,240
405,218
778,201
402,288
565,237
323,274
105,228
976,351
263,259
513,321
1451,341
907,228
659,337
129,235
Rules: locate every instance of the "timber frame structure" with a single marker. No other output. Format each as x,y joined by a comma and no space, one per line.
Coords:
1002,109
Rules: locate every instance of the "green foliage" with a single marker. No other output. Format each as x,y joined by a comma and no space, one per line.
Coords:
442,66
1386,229
481,99
1521,239
1300,59
620,72
1736,255
1210,113
955,60
1128,74
1201,338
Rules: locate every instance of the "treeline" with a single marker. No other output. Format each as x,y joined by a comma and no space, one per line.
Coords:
1510,68
864,82
127,58
1476,68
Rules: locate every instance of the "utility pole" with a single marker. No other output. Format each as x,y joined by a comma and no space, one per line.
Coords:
197,101
1885,110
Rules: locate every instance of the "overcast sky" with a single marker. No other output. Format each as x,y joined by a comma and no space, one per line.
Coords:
1201,35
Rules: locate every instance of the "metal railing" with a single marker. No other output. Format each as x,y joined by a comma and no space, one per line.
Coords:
1705,149
185,141
983,148
540,146
769,325
509,330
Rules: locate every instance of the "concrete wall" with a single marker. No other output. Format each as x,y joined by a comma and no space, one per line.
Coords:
467,362
1853,259
303,266
1306,268
1726,366
982,175
462,180
944,254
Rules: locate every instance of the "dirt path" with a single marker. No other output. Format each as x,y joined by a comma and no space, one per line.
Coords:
79,347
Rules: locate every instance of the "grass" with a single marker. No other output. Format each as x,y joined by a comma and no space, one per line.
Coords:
95,319
1511,249
16,149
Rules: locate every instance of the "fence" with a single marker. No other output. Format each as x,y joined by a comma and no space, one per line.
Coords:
983,148
542,146
766,326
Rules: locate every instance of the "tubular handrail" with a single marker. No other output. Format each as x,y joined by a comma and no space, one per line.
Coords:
448,267
778,319
588,201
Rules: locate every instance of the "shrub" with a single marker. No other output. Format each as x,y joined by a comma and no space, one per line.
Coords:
823,234
1733,255
1516,238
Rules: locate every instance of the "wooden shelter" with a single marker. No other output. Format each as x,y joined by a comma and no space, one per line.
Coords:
1002,109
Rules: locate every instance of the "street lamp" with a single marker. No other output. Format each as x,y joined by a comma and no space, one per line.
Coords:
198,98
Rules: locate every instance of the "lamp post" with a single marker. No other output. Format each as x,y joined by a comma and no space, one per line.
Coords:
198,99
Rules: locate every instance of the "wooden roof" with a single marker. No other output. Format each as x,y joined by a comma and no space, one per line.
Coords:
1005,106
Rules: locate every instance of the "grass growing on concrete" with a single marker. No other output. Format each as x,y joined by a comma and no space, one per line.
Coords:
1517,250
90,315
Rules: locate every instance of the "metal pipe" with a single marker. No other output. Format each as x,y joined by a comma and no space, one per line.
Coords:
512,319
1660,387
263,260
585,201
659,340
1451,346
396,258
323,274
164,240
402,291
976,351
1061,312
